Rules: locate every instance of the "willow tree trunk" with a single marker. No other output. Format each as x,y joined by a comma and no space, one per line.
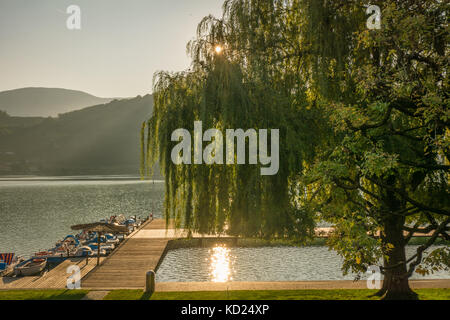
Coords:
396,284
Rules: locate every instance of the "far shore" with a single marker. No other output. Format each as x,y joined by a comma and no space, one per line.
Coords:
257,243
32,178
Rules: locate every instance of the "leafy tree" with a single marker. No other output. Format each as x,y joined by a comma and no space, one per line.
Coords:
364,128
386,177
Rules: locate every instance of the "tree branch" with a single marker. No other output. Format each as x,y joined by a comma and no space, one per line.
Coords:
415,203
419,255
424,166
366,126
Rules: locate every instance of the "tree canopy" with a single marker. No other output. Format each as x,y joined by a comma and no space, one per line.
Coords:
363,119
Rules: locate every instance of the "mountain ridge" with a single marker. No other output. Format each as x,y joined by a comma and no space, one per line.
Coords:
102,139
46,102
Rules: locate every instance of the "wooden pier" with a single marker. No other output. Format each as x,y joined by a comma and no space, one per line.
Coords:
126,267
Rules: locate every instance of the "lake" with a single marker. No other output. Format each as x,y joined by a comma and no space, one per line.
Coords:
36,212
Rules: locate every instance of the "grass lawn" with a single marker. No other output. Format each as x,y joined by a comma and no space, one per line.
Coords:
43,294
424,294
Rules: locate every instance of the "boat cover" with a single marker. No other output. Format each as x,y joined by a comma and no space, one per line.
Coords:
7,257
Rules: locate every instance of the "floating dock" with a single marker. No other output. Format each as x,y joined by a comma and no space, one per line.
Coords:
126,267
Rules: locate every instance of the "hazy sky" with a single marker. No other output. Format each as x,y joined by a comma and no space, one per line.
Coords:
115,54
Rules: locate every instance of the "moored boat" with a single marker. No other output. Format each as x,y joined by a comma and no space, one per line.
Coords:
30,267
84,251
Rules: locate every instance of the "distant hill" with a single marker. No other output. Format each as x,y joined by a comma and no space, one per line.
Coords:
103,139
46,102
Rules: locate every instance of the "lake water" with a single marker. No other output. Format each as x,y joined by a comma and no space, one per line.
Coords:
36,212
221,264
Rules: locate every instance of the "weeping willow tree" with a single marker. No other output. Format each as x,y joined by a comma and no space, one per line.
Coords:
244,86
363,119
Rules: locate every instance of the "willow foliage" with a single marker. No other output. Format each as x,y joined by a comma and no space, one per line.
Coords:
253,83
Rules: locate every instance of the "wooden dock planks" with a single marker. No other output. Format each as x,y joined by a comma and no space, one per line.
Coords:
126,267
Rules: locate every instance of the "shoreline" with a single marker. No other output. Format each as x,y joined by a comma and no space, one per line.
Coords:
259,243
37,178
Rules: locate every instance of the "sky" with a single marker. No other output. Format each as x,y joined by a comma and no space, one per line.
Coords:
119,47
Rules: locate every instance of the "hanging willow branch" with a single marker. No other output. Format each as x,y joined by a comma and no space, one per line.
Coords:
237,89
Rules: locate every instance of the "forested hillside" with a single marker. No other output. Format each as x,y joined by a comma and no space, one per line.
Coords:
103,139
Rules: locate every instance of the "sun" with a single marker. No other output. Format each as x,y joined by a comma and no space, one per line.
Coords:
218,49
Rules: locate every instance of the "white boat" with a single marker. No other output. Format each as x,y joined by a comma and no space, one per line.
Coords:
83,252
109,239
108,247
30,267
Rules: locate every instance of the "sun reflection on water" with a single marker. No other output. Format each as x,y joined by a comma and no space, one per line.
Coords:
221,264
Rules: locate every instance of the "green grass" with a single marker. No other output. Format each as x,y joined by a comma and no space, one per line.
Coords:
424,294
43,294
